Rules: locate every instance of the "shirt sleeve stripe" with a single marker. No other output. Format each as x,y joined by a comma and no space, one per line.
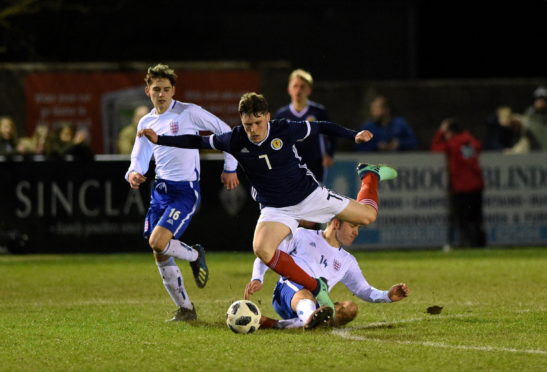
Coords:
309,130
211,142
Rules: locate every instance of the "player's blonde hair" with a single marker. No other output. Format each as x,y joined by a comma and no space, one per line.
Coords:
301,74
160,71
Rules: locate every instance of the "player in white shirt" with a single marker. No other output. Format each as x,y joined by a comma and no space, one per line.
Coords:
176,191
320,254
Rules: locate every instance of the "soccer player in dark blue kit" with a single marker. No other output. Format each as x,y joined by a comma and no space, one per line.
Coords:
316,151
284,187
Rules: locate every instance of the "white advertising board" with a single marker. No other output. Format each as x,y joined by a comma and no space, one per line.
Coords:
414,206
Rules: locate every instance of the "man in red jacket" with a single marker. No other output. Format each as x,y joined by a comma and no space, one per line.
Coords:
466,183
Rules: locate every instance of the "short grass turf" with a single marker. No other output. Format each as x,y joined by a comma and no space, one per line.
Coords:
108,312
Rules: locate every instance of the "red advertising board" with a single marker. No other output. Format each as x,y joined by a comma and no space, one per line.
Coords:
103,102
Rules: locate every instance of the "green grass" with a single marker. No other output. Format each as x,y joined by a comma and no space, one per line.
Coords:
107,312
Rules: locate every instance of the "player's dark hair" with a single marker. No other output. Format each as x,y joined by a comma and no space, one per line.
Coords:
454,125
160,71
253,103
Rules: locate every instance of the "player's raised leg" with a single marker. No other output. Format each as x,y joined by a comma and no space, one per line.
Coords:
199,267
267,238
370,176
365,210
162,237
162,242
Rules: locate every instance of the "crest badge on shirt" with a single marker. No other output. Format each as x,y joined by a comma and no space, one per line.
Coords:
311,118
337,265
174,126
277,144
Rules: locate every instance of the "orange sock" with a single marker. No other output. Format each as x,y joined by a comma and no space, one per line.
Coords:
284,265
368,194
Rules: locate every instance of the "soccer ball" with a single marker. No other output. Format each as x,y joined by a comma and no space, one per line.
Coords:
243,316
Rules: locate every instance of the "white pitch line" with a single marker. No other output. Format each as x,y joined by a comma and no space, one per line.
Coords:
345,333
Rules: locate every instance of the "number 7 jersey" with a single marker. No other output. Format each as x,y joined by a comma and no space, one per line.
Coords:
274,168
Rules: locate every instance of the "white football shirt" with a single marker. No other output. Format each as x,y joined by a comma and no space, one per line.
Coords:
318,258
176,164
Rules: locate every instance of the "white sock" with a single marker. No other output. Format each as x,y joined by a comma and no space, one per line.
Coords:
173,282
290,323
304,309
176,248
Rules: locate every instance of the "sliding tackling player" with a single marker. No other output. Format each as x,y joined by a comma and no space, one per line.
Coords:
320,254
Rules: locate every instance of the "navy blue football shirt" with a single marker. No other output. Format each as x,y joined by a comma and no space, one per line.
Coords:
315,147
273,166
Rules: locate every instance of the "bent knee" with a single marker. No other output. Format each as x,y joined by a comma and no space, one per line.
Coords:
264,252
157,244
369,217
264,249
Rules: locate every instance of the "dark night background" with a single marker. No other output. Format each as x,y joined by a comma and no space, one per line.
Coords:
432,59
337,40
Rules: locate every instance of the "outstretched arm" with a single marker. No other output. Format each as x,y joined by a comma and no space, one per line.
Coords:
363,136
356,283
333,129
439,140
187,141
255,285
398,292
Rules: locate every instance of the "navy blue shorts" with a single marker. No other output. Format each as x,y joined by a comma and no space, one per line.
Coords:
172,205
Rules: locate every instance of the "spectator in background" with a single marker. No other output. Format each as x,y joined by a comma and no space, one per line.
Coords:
391,133
62,139
80,148
317,151
25,146
41,139
8,136
38,144
127,135
466,183
505,132
535,120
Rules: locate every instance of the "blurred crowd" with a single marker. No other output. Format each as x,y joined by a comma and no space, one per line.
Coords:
506,130
516,133
64,139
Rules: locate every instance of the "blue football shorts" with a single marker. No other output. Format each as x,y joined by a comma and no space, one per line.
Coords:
283,293
172,205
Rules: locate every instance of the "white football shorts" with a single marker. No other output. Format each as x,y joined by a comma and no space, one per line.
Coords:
320,207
